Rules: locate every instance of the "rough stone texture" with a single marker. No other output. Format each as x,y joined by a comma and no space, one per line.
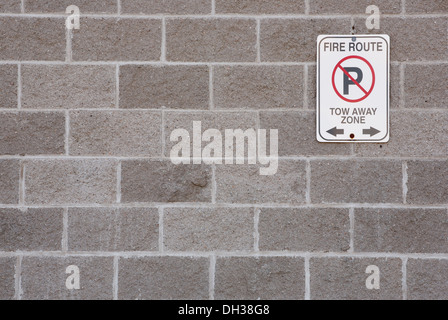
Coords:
295,39
8,83
30,230
86,177
262,87
71,181
163,278
304,230
174,87
221,121
10,6
297,134
44,278
244,184
427,182
395,86
116,133
215,40
9,181
426,86
68,86
59,6
353,6
195,229
260,6
162,181
261,278
356,181
413,133
111,229
311,102
112,39
166,6
32,133
7,281
412,39
427,279
32,39
428,6
401,230
345,279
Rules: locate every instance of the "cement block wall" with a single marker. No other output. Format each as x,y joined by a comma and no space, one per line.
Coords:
86,178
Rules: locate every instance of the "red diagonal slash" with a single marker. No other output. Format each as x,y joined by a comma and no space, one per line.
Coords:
345,71
351,78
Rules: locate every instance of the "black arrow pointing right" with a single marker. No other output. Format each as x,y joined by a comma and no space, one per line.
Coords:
372,131
335,131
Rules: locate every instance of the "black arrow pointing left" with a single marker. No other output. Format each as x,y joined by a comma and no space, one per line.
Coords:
335,131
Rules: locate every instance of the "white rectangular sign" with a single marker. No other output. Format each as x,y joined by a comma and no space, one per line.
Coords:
353,88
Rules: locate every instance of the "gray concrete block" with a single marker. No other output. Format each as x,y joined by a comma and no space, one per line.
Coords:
71,181
401,230
345,279
32,133
197,229
9,181
174,87
44,278
427,182
163,278
429,6
8,83
353,6
59,6
258,87
427,279
260,7
7,278
112,229
32,39
217,40
244,184
162,181
112,39
260,278
68,87
426,86
34,229
116,133
356,181
166,6
324,230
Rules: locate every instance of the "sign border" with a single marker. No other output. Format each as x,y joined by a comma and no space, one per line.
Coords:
386,138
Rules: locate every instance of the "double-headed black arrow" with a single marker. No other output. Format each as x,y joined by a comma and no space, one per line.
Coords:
335,131
372,131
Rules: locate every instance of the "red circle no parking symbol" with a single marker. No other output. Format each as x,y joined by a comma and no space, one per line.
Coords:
348,78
